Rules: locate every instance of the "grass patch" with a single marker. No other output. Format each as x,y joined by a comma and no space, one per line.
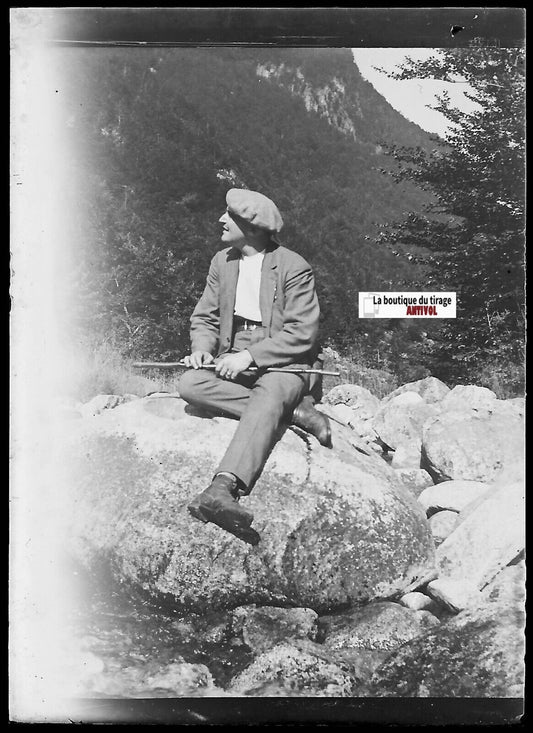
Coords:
378,381
103,369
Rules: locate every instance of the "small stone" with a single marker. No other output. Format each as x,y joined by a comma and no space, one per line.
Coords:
442,525
407,455
427,619
100,403
414,479
451,495
417,601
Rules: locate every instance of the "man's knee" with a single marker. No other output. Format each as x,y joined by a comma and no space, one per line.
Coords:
287,389
190,386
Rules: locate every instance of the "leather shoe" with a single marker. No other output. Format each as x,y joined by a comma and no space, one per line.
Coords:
219,504
312,421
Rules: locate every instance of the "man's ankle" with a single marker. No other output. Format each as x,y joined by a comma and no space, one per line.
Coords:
240,487
226,473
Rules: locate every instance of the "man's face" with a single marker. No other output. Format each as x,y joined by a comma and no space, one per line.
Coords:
233,234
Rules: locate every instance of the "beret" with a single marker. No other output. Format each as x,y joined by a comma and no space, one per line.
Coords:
254,208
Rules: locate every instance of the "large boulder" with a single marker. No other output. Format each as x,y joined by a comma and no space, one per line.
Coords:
480,546
512,475
479,653
337,527
430,388
296,669
377,626
468,397
263,627
475,444
400,420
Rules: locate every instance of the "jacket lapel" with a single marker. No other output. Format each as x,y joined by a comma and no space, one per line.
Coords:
267,290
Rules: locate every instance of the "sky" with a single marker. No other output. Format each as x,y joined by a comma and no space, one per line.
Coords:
409,97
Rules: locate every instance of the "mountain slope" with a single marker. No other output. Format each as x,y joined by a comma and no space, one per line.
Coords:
157,136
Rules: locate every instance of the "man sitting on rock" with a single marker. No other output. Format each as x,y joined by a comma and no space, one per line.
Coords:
259,308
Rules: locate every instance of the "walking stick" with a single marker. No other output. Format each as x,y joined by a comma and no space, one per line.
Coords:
181,364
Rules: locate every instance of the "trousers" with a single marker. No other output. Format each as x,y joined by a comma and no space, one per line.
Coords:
262,402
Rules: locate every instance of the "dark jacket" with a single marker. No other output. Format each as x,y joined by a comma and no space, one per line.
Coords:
288,302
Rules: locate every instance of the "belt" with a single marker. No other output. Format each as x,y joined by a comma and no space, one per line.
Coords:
244,324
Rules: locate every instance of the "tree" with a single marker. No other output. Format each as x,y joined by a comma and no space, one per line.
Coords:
471,236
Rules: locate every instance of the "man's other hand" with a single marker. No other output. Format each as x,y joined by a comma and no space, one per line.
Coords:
197,358
231,365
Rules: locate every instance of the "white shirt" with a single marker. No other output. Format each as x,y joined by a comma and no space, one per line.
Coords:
248,283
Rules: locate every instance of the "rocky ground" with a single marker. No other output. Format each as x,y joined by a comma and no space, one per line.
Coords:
390,565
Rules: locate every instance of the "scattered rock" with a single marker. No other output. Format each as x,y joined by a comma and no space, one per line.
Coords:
359,663
481,545
414,479
295,669
208,628
353,406
508,587
508,477
180,679
442,524
342,413
417,601
264,627
337,527
428,620
377,626
148,680
407,455
361,401
401,419
478,653
451,495
100,403
473,445
467,397
454,595
430,388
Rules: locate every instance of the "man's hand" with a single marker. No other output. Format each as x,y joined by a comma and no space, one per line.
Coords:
231,365
197,358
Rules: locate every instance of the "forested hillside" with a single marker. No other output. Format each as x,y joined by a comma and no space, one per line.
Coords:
155,138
